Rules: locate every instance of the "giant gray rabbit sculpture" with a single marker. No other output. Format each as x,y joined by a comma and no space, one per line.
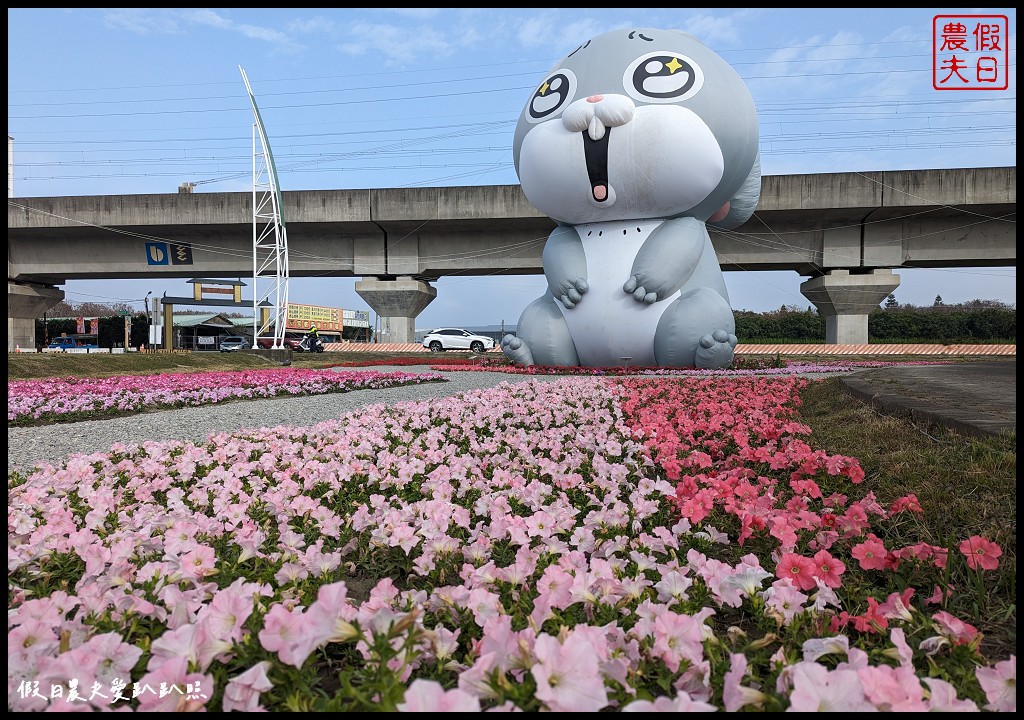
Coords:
634,143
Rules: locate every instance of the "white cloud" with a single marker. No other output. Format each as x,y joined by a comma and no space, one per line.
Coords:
550,31
167,22
715,30
256,32
318,24
417,13
210,18
142,21
396,44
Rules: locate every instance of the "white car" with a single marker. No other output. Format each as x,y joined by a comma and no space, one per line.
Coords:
233,343
456,339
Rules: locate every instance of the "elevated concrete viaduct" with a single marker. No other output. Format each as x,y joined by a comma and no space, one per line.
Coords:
847,232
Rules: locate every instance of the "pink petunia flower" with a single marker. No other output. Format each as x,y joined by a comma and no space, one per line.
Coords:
228,611
673,587
328,619
568,674
287,633
735,695
476,680
242,693
897,606
871,554
828,569
901,650
180,690
198,562
815,648
981,553
799,569
682,703
1000,685
873,620
114,657
817,689
907,502
429,696
893,689
180,642
784,600
678,637
954,628
942,698
939,595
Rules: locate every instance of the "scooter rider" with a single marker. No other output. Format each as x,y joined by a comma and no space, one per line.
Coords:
313,337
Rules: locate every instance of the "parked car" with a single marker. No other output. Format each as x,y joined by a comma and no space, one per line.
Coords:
290,341
233,342
456,339
67,342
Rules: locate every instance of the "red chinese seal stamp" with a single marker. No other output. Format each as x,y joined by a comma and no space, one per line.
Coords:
970,52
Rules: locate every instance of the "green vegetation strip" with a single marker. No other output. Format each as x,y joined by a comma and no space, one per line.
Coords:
966,486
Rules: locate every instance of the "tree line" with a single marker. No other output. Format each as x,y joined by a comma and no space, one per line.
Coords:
110,330
976,321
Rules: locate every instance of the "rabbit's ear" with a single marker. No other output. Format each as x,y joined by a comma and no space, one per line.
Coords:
744,202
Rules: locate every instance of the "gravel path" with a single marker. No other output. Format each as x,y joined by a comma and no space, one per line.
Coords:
28,446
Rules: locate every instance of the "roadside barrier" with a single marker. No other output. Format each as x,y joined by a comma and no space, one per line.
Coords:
747,349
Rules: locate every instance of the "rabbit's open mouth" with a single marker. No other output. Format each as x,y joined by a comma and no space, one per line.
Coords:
596,153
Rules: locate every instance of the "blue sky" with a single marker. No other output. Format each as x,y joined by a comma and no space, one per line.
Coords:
107,101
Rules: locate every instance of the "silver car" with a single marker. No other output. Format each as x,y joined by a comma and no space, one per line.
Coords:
456,339
231,343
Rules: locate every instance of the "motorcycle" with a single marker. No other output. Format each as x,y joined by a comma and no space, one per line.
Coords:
318,345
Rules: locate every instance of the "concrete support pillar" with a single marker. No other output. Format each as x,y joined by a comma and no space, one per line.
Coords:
168,326
25,303
398,301
845,301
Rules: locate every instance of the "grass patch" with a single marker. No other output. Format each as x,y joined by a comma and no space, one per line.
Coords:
966,486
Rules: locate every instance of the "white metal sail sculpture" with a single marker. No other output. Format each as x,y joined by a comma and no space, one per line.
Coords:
269,238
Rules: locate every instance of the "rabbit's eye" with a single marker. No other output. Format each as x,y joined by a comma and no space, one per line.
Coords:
552,96
662,77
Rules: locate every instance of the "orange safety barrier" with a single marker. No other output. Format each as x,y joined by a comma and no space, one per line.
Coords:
751,349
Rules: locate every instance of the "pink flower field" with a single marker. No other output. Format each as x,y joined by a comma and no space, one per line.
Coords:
73,398
641,544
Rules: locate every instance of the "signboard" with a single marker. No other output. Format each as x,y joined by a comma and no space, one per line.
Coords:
356,318
161,253
156,253
80,323
181,253
207,340
301,317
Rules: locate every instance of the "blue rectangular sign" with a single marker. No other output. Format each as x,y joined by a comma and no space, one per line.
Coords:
156,254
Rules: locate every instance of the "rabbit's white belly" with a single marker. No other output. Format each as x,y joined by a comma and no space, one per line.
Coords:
609,327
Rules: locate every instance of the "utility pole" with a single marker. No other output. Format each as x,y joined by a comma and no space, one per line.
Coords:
127,315
149,322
